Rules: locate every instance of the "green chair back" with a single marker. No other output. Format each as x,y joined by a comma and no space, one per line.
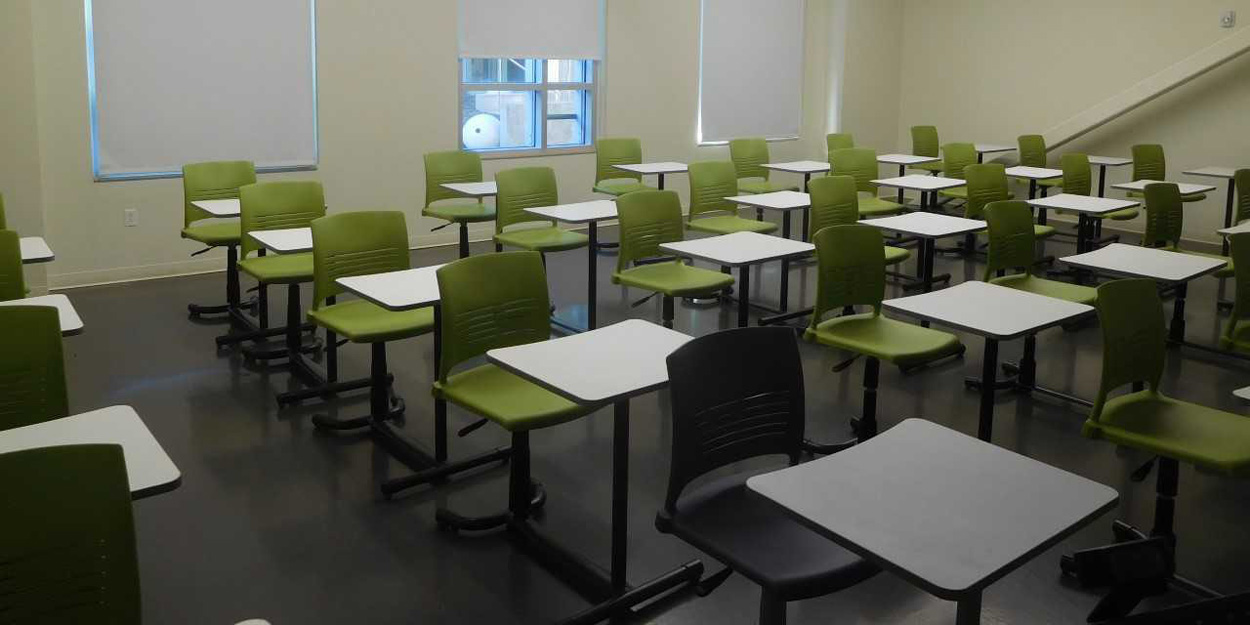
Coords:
749,156
1148,162
1239,251
924,140
1133,337
858,163
839,141
3,225
32,368
67,540
617,151
449,167
277,205
956,157
835,202
1032,150
213,180
522,188
647,219
1077,179
1164,215
1241,183
12,282
491,301
850,269
355,244
710,183
987,182
1011,237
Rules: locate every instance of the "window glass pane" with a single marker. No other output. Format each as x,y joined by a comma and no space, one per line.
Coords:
569,71
499,70
568,117
498,119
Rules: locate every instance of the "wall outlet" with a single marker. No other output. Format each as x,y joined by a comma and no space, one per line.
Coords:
1228,19
131,217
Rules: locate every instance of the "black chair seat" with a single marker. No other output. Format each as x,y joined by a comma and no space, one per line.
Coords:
757,539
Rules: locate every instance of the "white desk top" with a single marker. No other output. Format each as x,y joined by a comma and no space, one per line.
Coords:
989,310
1243,393
1185,187
777,200
1033,173
219,208
285,240
1242,227
917,182
1083,203
1145,262
578,212
665,167
1213,172
1110,161
739,248
406,289
35,250
906,159
799,167
986,148
947,512
473,189
70,322
927,225
147,465
598,366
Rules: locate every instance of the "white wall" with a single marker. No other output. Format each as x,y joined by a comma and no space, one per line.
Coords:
19,142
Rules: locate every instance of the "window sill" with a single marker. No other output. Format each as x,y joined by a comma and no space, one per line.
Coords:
501,154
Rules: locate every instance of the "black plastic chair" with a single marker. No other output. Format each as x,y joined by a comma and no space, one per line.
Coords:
737,395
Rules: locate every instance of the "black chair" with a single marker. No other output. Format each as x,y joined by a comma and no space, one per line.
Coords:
737,395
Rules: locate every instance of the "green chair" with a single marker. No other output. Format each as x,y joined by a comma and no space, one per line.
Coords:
835,202
1237,331
1149,164
215,180
749,157
710,183
839,141
861,164
32,366
12,281
1033,154
851,272
530,187
489,302
648,219
617,151
987,182
1165,215
956,157
924,142
442,203
1078,180
1012,241
67,540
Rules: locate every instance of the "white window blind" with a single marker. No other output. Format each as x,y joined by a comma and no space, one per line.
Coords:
179,81
751,69
531,29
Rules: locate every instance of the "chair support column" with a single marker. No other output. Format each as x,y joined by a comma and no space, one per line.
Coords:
1165,497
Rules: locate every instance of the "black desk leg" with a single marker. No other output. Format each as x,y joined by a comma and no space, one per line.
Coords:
989,381
592,270
1032,188
785,265
980,157
744,294
464,239
929,250
902,171
1102,179
968,611
807,212
1228,214
1176,331
660,178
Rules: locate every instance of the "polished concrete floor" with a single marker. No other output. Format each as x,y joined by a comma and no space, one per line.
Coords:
277,520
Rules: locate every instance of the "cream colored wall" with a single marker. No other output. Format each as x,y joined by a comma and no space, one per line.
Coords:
869,90
19,140
387,93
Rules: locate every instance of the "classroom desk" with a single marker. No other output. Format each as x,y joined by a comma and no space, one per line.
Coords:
1086,207
285,240
945,512
71,323
904,161
35,250
927,186
1033,174
148,467
589,213
928,227
225,209
656,169
473,189
742,250
606,366
805,168
1225,173
1242,393
1185,188
990,148
996,313
1242,227
1103,162
292,241
228,207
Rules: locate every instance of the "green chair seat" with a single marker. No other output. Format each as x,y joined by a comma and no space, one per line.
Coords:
1120,215
360,321
550,239
460,211
871,205
1210,439
894,341
279,268
1226,272
935,166
674,279
1049,182
896,255
1043,232
763,186
729,224
959,193
1049,288
620,186
214,234
514,403
1192,197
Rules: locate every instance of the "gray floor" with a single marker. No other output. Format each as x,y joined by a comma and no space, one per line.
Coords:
280,521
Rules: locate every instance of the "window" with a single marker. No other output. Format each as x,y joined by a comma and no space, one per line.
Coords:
539,105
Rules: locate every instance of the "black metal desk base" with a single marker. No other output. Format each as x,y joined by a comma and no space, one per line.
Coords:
1022,377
